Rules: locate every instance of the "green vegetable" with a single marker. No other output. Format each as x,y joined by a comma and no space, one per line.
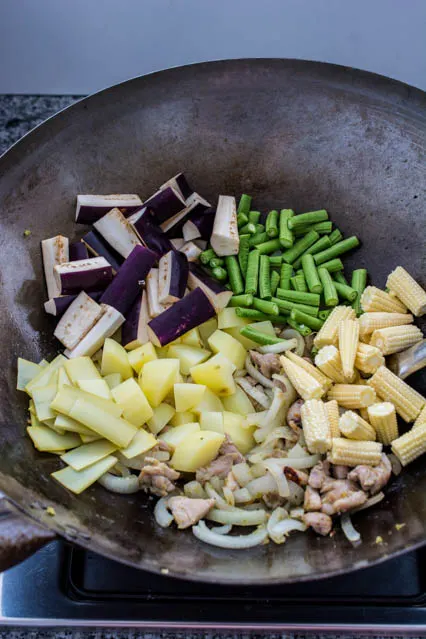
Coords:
339,277
307,320
345,292
301,328
314,349
216,261
271,226
285,275
27,233
219,273
312,299
298,282
264,306
241,300
275,260
259,238
254,217
311,275
242,219
324,314
299,221
264,278
336,250
275,280
333,265
300,247
321,244
286,307
244,204
330,294
322,228
252,273
234,274
207,255
335,236
260,228
286,235
268,247
248,228
358,282
243,253
259,337
251,313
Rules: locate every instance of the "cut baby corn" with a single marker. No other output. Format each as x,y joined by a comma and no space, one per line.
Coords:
332,408
348,331
369,322
368,358
395,338
408,402
421,419
411,445
382,417
325,381
329,362
328,332
352,395
408,290
374,299
364,413
306,385
353,426
316,427
349,452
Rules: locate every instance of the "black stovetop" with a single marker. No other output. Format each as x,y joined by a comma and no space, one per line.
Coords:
68,586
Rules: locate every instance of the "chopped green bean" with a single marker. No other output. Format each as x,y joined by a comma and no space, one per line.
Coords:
275,280
271,225
311,274
264,306
324,314
286,307
254,217
358,282
244,204
336,250
242,219
338,276
300,328
333,265
298,282
243,253
207,255
300,247
268,247
322,228
314,349
335,236
259,238
259,337
248,228
275,260
252,273
234,274
346,292
330,294
260,228
219,273
307,320
312,299
299,221
320,245
251,313
246,299
264,278
285,275
216,261
286,235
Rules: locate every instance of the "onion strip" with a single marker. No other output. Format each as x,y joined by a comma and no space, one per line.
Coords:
202,532
372,501
282,528
280,347
395,463
222,530
349,531
122,485
257,375
291,333
259,396
161,513
237,517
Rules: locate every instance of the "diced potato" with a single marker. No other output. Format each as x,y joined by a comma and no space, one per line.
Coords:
192,338
131,398
26,372
63,379
161,417
97,387
212,421
188,356
238,403
209,403
45,439
183,418
157,379
228,318
242,437
221,342
78,480
207,329
68,395
139,356
141,443
162,352
43,363
115,359
216,374
115,429
81,368
196,450
88,454
44,376
176,435
187,396
65,423
113,380
43,397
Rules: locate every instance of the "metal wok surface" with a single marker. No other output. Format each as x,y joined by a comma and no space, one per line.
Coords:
293,134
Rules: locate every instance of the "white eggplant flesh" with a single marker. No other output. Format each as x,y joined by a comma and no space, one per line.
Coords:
194,204
117,231
172,277
92,207
192,251
55,250
151,288
108,323
92,274
177,243
135,329
77,320
180,184
190,231
225,239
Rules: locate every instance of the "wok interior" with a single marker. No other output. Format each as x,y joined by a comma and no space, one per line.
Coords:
292,134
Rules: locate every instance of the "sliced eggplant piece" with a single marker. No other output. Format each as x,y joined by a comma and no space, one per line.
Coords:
225,239
58,305
195,204
78,319
192,251
93,274
165,203
125,287
202,244
217,294
99,247
149,232
172,277
90,208
177,243
55,250
77,251
180,184
135,329
106,326
191,311
116,230
199,225
151,287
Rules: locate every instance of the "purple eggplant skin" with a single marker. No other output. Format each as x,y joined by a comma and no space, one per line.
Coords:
191,311
150,233
204,221
97,246
60,304
129,330
179,270
125,286
91,280
91,214
198,207
165,204
78,251
183,185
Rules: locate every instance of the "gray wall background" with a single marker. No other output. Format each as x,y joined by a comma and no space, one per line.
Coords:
80,46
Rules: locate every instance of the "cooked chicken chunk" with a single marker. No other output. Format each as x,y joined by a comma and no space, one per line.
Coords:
267,363
219,467
298,476
312,499
157,477
340,472
319,474
341,495
320,522
372,478
228,448
187,511
294,417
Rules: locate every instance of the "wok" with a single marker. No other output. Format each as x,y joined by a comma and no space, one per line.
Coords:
292,134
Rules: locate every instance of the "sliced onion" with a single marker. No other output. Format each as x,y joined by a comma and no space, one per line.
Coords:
257,375
242,496
161,513
297,494
242,473
237,516
120,470
255,419
291,333
300,462
220,501
253,392
297,513
280,479
395,463
282,528
225,541
222,530
372,501
349,531
229,496
123,485
262,486
280,347
194,490
279,514
290,392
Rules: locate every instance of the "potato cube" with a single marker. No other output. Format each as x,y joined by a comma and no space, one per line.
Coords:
221,342
188,356
130,397
228,318
192,338
176,435
238,403
242,437
209,403
212,421
141,355
97,387
157,379
115,359
196,450
187,396
161,417
183,418
216,374
81,368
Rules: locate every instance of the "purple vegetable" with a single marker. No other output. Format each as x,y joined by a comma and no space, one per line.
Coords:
135,329
78,251
77,320
179,183
124,288
93,274
195,205
199,225
191,311
165,203
172,277
117,231
217,294
58,305
100,248
149,233
55,250
92,207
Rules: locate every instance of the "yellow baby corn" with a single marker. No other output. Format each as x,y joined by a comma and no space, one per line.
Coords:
408,290
352,395
368,358
306,385
364,413
325,381
328,332
421,419
332,408
408,402
369,322
395,338
411,445
382,417
353,426
349,452
316,427
348,332
374,299
329,361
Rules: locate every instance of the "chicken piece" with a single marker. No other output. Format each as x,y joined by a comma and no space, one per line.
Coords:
157,477
294,418
278,383
354,500
312,499
319,474
228,448
298,476
267,363
333,489
219,467
341,495
372,478
320,522
187,511
339,471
